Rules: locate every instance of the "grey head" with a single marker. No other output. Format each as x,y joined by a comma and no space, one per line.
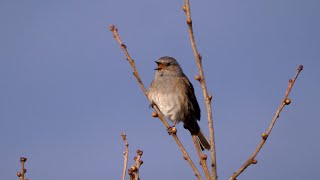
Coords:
168,66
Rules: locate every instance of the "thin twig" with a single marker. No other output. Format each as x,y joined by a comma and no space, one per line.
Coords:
207,97
23,170
139,162
157,113
134,170
285,101
125,154
202,157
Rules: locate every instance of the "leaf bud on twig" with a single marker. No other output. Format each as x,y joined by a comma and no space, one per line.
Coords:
287,101
198,77
154,114
254,161
264,136
139,152
173,130
133,168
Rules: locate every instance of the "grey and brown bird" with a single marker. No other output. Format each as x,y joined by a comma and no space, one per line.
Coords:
172,92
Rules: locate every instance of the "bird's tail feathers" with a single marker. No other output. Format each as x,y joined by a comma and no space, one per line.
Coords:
204,143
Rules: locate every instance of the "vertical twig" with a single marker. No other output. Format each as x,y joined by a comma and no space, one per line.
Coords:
23,170
202,157
158,114
125,154
285,101
207,97
134,170
139,162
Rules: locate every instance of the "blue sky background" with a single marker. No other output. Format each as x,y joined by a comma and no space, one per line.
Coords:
66,91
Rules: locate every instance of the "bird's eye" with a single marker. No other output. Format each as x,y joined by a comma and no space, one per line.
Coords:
168,64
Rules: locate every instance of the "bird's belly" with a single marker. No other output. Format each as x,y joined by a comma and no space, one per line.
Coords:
169,106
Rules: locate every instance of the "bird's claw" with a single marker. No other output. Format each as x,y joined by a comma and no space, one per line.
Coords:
152,105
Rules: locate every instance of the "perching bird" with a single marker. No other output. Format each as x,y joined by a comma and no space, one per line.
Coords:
172,92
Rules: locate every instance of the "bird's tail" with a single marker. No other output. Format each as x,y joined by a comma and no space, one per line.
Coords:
204,143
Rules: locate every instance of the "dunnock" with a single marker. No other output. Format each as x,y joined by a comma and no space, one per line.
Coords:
173,94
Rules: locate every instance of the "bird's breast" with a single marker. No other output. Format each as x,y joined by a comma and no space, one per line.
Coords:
169,100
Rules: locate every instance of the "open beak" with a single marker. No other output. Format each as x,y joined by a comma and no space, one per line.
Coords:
160,66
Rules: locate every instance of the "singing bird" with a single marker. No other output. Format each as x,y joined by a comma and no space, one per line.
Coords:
172,92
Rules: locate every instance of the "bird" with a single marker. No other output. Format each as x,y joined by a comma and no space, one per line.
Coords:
173,94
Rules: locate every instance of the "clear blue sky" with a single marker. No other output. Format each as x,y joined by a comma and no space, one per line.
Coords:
66,91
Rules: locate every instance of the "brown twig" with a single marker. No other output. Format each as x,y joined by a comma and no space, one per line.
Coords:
125,154
23,170
157,113
134,170
285,101
202,157
207,97
139,162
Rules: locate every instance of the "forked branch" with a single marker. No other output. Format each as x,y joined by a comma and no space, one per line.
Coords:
285,101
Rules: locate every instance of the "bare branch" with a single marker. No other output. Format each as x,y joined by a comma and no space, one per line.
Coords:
207,97
134,170
139,162
23,170
202,157
125,154
157,113
285,101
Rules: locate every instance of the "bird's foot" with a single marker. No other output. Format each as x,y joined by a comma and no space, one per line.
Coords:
152,105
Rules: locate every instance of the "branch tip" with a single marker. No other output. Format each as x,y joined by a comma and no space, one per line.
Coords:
139,152
300,68
23,159
111,27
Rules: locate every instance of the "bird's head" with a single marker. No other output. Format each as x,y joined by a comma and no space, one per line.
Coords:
168,66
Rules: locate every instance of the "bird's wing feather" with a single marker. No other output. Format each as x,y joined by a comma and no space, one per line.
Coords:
193,100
